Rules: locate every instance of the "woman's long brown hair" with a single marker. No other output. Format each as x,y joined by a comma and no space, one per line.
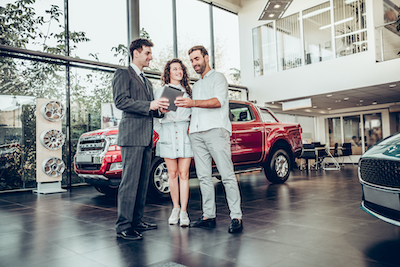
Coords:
166,78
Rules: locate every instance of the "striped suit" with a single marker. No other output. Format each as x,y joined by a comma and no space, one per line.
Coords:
135,136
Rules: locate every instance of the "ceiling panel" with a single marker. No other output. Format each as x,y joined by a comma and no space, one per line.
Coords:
382,94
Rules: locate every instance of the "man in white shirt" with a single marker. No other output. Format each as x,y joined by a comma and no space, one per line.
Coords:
210,130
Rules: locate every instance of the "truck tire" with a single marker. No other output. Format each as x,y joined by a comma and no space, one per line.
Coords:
158,181
277,169
107,190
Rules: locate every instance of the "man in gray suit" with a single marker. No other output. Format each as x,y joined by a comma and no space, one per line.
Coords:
133,94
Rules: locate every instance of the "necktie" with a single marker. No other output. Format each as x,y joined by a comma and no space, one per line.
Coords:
144,80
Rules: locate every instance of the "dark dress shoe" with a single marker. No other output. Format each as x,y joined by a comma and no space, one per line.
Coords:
143,226
130,234
236,226
208,223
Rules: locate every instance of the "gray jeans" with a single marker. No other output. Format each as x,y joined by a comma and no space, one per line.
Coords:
215,144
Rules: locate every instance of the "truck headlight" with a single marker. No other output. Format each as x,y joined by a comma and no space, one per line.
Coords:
116,166
112,139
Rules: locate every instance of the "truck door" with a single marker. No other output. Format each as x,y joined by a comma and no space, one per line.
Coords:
247,134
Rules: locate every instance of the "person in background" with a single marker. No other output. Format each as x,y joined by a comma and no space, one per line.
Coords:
354,141
174,144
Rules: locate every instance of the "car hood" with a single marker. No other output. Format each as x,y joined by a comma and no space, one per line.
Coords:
388,149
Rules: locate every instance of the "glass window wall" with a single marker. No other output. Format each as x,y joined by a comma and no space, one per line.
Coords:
333,131
257,52
289,42
372,129
35,25
352,133
350,27
268,48
21,82
386,35
104,36
162,37
226,40
264,50
192,30
317,33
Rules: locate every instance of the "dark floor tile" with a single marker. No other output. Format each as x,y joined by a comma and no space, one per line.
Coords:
136,253
74,261
195,259
312,220
90,242
11,209
294,235
250,251
35,253
326,258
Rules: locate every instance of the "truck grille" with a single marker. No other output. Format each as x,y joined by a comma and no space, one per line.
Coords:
380,172
92,144
88,167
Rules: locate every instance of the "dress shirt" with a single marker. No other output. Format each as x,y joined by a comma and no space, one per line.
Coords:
213,85
181,114
137,70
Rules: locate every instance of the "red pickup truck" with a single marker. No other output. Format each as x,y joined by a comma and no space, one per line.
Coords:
258,141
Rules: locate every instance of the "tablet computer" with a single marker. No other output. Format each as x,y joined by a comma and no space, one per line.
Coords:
171,93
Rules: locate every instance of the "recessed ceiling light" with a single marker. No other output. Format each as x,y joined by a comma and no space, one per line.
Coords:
314,106
392,85
338,101
346,98
328,108
361,100
271,15
277,6
328,95
374,103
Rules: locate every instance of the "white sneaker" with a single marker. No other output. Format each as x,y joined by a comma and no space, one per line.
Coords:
184,219
174,218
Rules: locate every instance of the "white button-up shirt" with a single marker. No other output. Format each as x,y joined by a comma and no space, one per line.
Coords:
213,85
137,70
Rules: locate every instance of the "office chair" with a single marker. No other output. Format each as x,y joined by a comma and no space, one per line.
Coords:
321,154
346,151
308,152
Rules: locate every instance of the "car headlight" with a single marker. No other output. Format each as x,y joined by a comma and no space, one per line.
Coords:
116,166
112,139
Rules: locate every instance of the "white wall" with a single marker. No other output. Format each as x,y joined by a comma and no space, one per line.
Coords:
354,71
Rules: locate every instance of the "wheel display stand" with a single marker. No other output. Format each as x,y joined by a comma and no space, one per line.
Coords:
49,142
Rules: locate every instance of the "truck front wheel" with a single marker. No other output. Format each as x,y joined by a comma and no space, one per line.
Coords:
277,169
158,182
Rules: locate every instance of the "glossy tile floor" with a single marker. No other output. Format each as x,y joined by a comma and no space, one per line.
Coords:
312,220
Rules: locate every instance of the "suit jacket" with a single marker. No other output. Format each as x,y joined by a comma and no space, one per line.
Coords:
132,97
